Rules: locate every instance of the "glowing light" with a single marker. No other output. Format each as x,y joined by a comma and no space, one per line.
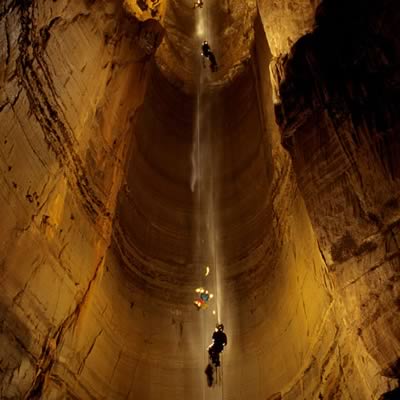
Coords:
200,26
214,312
197,304
207,270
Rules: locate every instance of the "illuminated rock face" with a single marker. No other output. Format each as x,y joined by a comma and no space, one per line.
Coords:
339,117
99,251
72,79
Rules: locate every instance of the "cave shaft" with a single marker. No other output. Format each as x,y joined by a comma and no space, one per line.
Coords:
126,169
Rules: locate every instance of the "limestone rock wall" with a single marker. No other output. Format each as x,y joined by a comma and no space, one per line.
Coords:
283,318
286,21
144,10
276,296
292,341
97,240
71,80
338,114
226,25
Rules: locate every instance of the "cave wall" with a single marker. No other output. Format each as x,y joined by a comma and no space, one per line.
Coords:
288,338
286,21
277,303
310,307
337,107
151,259
72,79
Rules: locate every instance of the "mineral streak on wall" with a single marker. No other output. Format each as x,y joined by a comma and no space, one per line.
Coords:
97,258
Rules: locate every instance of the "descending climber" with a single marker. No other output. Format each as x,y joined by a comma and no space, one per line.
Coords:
207,53
219,341
198,4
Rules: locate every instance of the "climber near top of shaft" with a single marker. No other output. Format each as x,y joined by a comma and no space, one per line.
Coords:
207,53
198,4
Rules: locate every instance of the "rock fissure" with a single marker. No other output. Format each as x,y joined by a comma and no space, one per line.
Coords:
48,357
82,365
48,115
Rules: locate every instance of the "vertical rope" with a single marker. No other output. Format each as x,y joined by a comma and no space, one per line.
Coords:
207,205
216,266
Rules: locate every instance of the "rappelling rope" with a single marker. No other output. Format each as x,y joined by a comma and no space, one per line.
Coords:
219,370
207,21
222,380
198,187
205,13
198,183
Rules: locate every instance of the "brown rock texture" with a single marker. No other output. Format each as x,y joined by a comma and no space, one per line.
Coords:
105,234
338,114
72,80
286,21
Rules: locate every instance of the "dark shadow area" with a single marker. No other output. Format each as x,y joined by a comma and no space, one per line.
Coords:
392,395
348,66
393,371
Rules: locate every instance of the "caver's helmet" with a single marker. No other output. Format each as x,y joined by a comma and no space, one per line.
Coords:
220,327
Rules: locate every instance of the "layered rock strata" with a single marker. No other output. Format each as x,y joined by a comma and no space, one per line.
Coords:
72,80
99,235
338,113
